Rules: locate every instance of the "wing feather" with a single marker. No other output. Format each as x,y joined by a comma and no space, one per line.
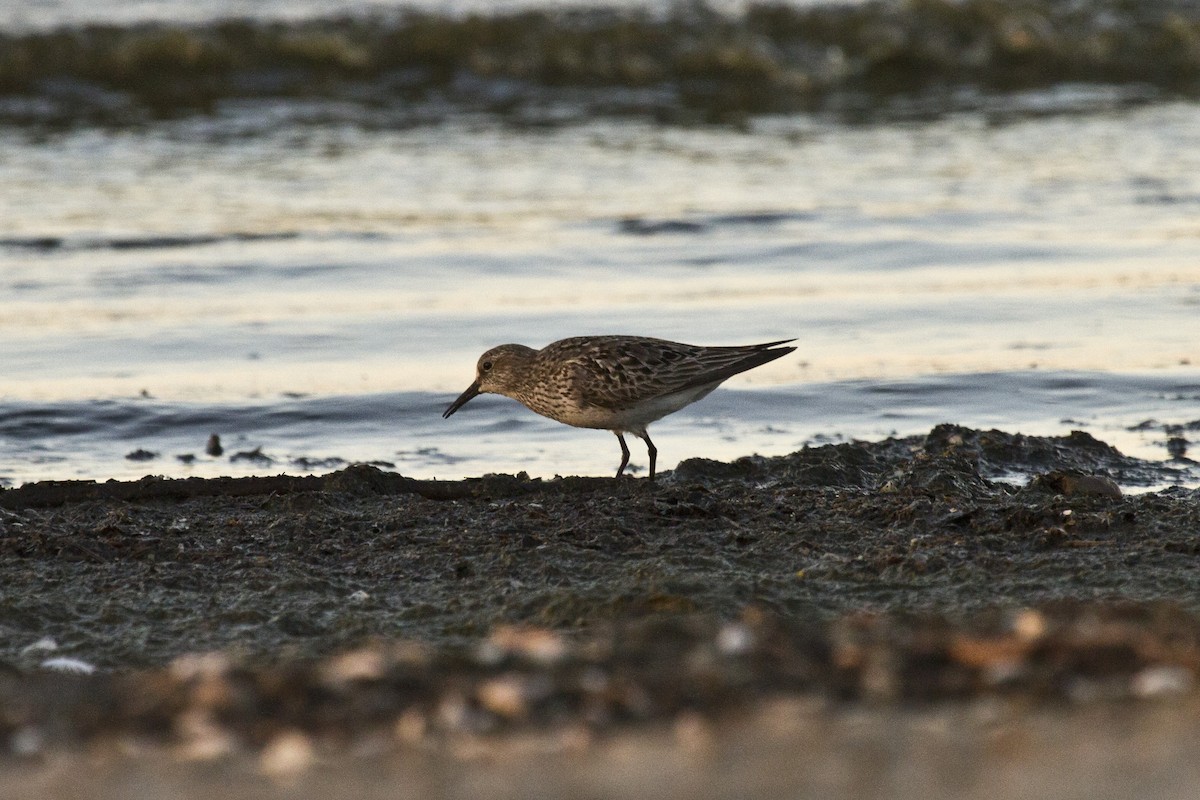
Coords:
619,372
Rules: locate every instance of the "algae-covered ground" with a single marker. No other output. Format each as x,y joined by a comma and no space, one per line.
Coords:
945,614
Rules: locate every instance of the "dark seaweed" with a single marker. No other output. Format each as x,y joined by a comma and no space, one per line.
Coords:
690,65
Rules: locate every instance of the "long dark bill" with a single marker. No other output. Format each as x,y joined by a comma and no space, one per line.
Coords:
471,391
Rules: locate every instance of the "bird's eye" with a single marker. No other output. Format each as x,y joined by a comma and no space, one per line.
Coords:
486,366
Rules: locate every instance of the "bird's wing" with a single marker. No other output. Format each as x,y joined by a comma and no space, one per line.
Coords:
625,372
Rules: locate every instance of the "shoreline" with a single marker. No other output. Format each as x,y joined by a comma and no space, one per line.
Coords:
898,524
255,629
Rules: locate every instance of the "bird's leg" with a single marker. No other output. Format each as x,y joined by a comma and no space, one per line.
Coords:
652,450
624,454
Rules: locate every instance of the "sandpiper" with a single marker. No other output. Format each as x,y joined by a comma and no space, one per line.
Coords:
616,383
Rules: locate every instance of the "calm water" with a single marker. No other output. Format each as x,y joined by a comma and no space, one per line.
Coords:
296,281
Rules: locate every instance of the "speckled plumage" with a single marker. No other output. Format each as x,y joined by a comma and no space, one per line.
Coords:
616,383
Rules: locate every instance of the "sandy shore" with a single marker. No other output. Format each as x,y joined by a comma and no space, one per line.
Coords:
957,615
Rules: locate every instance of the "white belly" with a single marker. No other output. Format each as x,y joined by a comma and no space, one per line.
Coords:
636,418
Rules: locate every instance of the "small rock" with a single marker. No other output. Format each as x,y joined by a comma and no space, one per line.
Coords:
1091,485
201,738
734,639
288,754
506,696
1177,447
693,733
536,644
256,455
213,448
26,742
513,695
197,666
1160,680
411,726
998,654
1065,483
1029,624
357,665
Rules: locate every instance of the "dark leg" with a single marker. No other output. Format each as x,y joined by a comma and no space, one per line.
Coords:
652,450
624,454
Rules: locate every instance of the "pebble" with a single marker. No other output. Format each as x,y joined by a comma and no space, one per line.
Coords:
357,665
287,755
1160,680
540,645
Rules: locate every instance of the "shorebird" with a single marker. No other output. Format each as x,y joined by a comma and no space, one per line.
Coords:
615,383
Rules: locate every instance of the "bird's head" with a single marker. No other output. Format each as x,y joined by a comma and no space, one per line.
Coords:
498,371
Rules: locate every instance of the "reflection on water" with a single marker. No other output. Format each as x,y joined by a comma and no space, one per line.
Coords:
390,261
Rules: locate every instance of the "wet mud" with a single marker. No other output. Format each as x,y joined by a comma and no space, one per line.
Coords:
266,627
